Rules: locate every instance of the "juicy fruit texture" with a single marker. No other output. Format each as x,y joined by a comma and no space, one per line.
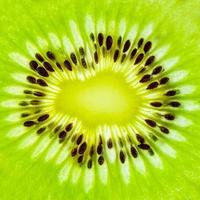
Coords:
101,103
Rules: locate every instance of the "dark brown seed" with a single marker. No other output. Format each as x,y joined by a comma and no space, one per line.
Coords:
116,54
83,62
29,123
74,152
139,58
109,143
73,58
39,57
81,51
147,46
156,104
170,93
89,164
164,129
23,103
92,36
62,134
68,65
100,39
91,150
41,82
96,57
109,42
33,64
100,160
42,71
169,116
79,139
99,149
141,70
27,92
39,94
123,57
119,41
126,46
150,122
145,78
140,138
157,70
48,66
150,60
59,66
152,85
31,79
140,42
35,102
82,148
41,130
43,118
25,115
80,159
69,127
175,104
122,156
164,80
50,55
144,146
134,152
133,52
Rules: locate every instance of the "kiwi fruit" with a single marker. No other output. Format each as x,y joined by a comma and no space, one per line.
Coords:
99,99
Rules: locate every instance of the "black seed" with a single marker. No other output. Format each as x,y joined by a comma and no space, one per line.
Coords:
140,138
150,122
31,79
33,64
134,152
89,164
79,139
41,130
122,156
145,78
156,104
91,150
39,57
133,52
152,85
157,70
169,116
23,103
69,127
59,66
27,92
164,129
123,57
81,51
62,134
35,102
74,152
57,129
48,66
140,42
29,123
82,148
126,45
41,82
68,65
164,80
43,118
144,146
100,140
109,143
139,58
109,42
100,39
141,70
39,94
100,160
80,159
147,46
150,60
170,93
96,57
92,36
99,149
83,62
116,54
174,104
73,58
42,71
119,41
25,114
50,55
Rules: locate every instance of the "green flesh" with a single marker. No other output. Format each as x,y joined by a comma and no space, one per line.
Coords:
25,175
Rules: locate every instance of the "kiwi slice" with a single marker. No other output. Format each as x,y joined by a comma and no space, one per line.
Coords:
99,100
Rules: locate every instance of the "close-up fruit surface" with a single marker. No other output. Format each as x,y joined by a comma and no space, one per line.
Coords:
99,99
